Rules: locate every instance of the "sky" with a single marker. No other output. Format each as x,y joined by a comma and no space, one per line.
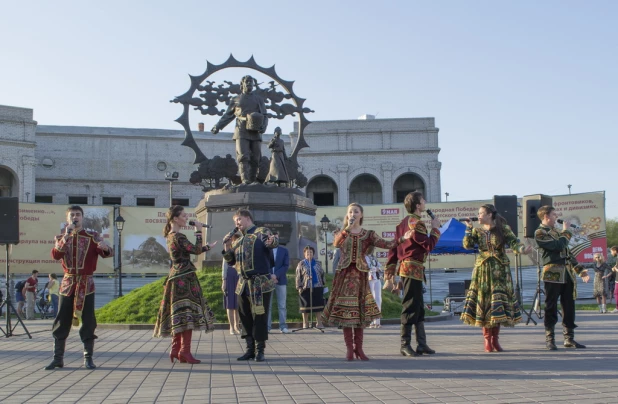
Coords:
524,93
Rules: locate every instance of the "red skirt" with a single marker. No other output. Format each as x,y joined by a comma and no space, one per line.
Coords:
351,303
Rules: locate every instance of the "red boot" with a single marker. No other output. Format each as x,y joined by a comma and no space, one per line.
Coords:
358,344
487,334
175,347
494,338
184,356
349,343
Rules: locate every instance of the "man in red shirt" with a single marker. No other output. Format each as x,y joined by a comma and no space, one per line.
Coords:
29,293
411,254
78,251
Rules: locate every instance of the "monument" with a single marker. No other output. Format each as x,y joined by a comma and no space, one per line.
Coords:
269,189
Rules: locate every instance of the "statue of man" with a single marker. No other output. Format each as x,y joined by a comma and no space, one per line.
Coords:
249,110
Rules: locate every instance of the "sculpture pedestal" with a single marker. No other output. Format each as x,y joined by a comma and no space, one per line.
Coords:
285,210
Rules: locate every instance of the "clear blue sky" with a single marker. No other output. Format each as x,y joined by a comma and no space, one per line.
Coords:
524,93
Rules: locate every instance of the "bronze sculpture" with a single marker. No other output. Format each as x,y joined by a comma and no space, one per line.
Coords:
278,172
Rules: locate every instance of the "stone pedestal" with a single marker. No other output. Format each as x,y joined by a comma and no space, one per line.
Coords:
285,210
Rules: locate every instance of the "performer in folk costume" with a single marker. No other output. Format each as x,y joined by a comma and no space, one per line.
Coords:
415,244
351,305
252,257
560,269
77,250
183,308
490,301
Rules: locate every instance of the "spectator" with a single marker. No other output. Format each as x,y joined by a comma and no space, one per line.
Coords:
310,285
282,263
53,287
600,290
29,293
230,298
376,274
19,298
614,252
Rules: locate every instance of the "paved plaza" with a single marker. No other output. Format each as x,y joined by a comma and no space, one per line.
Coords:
308,367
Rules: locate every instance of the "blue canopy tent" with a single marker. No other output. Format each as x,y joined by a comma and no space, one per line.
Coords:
451,242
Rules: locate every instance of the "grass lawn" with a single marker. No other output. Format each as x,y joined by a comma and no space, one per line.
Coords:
141,305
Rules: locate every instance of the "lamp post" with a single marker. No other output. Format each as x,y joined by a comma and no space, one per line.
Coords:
119,222
27,197
325,222
569,186
171,177
446,194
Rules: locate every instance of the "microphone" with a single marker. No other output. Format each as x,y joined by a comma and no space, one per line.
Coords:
574,226
430,213
230,235
193,223
71,230
472,219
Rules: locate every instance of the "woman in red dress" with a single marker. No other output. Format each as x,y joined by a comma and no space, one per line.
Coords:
351,304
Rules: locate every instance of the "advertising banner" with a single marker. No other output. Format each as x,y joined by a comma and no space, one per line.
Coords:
39,223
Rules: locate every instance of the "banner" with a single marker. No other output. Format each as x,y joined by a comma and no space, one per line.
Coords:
40,223
586,210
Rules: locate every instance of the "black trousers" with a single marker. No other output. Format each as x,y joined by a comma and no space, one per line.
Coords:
412,306
63,321
255,325
564,291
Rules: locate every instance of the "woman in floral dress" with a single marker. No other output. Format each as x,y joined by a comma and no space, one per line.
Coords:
351,304
490,301
183,308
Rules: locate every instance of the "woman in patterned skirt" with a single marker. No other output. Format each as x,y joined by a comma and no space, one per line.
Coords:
600,290
490,301
351,305
183,308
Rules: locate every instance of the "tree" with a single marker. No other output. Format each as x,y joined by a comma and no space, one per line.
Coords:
611,228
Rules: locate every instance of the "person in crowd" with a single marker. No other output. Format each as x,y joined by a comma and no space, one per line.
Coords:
614,253
310,285
53,287
184,308
376,274
560,269
252,256
416,242
351,305
19,298
490,302
600,290
281,258
29,293
230,298
78,251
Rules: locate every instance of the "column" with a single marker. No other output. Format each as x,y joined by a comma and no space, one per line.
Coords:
343,184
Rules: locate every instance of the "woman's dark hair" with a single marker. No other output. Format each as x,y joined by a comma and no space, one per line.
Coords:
172,212
53,276
308,248
500,222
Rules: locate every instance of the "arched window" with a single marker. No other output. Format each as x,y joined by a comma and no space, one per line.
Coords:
8,183
366,190
323,191
405,184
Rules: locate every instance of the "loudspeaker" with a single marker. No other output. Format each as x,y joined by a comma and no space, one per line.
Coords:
9,220
532,203
506,205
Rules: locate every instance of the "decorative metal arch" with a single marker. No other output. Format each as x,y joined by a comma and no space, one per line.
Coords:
187,100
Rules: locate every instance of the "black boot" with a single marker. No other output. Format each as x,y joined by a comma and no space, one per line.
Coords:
260,351
250,351
406,337
550,339
58,361
569,338
88,350
421,340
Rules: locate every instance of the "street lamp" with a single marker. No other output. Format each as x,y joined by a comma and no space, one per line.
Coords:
171,177
446,194
27,197
569,186
119,222
325,222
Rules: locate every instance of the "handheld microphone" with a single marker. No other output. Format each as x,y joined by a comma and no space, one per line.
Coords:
71,230
574,226
193,223
472,219
230,235
430,213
